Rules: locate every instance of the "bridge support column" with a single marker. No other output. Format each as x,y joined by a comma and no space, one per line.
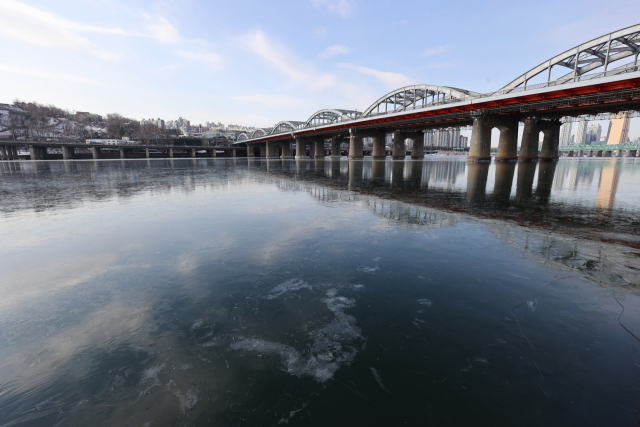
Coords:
5,152
15,153
250,152
418,147
607,154
355,145
631,153
599,153
95,151
590,153
214,154
480,147
171,152
379,149
319,152
67,152
570,154
37,153
619,153
529,146
335,147
234,153
399,148
146,152
193,152
286,150
508,143
122,153
551,140
271,150
301,149
580,153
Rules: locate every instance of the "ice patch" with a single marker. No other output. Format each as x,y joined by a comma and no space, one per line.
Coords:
197,324
368,269
150,375
532,304
212,343
187,400
289,286
331,344
291,414
424,301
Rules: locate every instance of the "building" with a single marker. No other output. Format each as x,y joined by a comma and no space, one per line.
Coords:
618,129
594,133
581,131
464,141
565,133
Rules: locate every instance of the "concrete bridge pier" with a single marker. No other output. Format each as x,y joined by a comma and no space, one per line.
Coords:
15,152
37,153
379,151
301,148
170,152
631,153
580,153
418,147
272,151
213,153
508,142
319,149
503,180
570,154
607,153
146,153
477,174
551,139
590,153
6,153
618,153
399,147
480,146
355,145
122,153
286,150
193,152
335,147
599,153
95,151
67,152
529,146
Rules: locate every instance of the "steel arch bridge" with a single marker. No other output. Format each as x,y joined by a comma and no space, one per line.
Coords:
612,54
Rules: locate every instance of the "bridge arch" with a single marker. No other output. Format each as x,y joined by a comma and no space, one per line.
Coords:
600,52
331,115
243,137
286,126
260,132
409,96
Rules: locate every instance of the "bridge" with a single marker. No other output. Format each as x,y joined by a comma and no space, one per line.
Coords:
599,76
74,150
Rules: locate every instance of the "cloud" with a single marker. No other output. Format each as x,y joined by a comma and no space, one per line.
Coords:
107,56
389,79
434,51
46,75
440,64
211,60
336,49
25,23
320,31
161,29
343,8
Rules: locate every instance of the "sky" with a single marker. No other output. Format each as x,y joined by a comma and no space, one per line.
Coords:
256,63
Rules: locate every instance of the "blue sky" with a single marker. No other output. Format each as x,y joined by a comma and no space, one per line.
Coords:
257,62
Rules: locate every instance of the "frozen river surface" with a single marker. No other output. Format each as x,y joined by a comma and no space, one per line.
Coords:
253,292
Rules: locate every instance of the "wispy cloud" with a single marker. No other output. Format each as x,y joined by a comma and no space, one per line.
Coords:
336,49
161,29
211,60
343,8
389,79
45,74
320,31
439,64
434,51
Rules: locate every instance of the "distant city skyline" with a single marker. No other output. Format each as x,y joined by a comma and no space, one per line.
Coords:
261,62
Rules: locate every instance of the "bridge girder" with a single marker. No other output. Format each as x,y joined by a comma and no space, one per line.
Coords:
329,116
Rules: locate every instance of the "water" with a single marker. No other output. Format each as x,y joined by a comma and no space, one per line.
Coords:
253,292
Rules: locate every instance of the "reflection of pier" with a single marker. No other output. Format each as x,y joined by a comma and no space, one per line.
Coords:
608,185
